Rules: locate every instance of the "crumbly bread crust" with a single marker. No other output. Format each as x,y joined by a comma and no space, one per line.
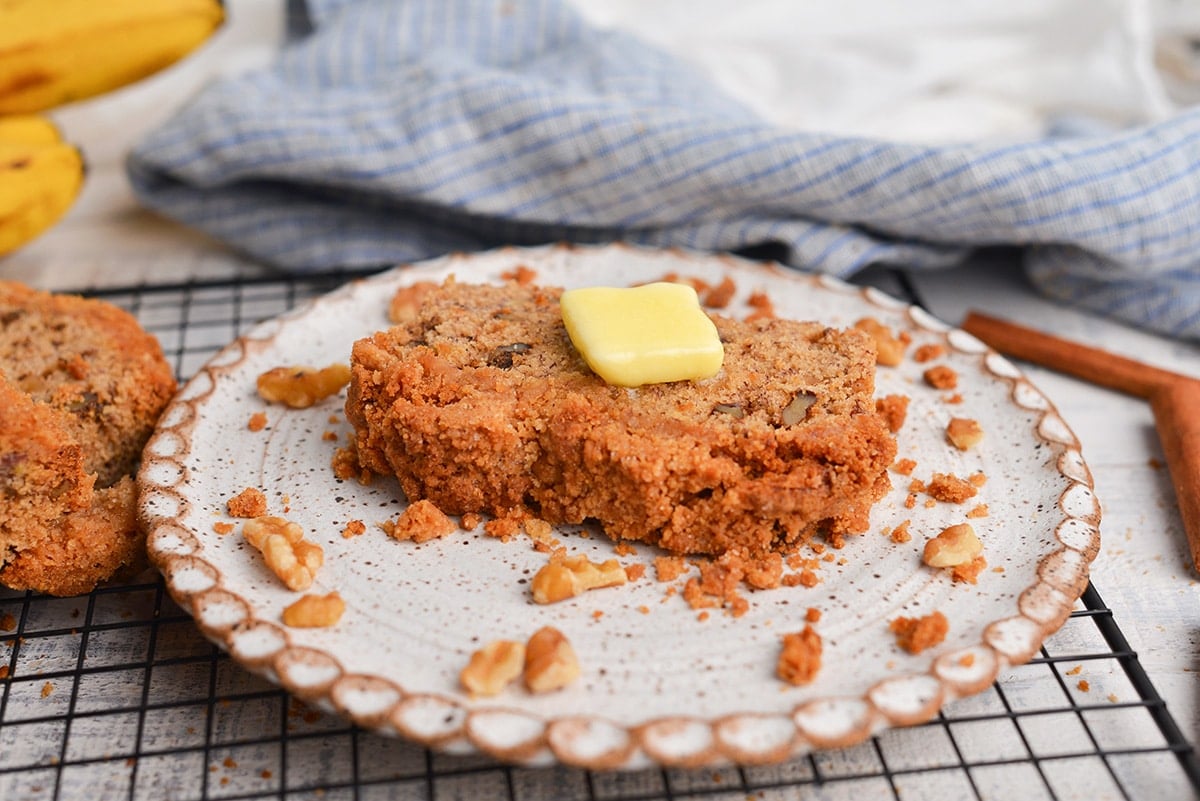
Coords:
81,386
481,404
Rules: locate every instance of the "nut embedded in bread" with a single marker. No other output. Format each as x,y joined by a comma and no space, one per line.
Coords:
479,403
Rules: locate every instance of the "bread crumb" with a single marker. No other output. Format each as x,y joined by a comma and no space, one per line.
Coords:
765,573
223,527
47,688
900,534
800,658
354,528
904,466
966,660
941,377
635,572
470,520
812,614
893,409
538,529
1084,686
950,488
7,622
979,511
764,309
669,568
257,422
248,503
330,436
346,466
916,634
315,611
928,352
1112,698
523,275
969,572
502,528
1075,671
420,522
718,297
717,585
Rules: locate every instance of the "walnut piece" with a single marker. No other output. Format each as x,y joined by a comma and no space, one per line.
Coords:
315,611
550,661
954,546
493,667
567,576
289,556
301,387
963,432
257,530
889,348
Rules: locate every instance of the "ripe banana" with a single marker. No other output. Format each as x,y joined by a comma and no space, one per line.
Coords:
40,177
57,51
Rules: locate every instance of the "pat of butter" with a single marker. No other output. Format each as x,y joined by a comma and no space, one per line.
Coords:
639,335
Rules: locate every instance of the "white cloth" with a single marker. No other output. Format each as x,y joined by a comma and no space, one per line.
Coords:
922,70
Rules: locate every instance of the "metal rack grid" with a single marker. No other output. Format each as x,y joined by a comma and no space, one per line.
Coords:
116,695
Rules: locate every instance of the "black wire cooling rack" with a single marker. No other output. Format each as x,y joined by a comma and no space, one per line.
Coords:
116,695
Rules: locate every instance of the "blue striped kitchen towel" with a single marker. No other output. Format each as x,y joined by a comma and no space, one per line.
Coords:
402,129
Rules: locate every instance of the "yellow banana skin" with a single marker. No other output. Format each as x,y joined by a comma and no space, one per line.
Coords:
40,177
29,129
54,52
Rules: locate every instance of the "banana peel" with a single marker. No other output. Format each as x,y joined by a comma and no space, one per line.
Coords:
54,52
40,178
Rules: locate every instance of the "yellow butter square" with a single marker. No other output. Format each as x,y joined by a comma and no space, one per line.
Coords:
646,334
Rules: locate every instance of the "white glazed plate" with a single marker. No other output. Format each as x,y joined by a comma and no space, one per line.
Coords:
660,685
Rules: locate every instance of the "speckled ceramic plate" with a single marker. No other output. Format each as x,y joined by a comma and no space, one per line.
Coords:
659,684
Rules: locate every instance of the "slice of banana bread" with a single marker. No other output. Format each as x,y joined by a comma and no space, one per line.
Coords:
482,404
81,387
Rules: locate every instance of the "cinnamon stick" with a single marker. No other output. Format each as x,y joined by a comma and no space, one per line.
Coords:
1090,364
1176,408
1174,399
